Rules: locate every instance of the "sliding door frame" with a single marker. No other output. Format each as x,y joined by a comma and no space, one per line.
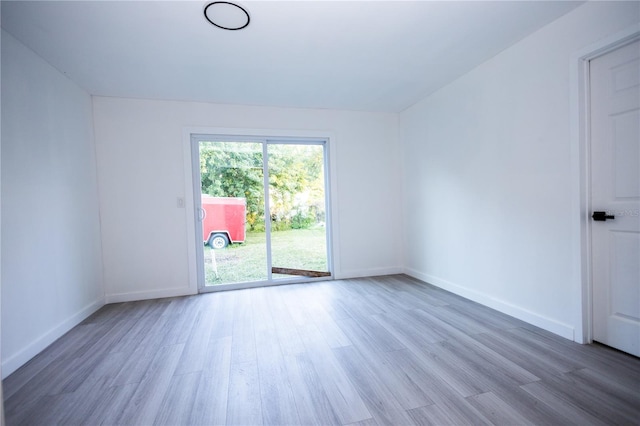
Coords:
197,254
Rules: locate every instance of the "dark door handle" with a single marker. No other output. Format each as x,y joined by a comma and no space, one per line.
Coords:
602,216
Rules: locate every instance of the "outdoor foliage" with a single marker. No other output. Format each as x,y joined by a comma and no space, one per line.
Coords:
296,196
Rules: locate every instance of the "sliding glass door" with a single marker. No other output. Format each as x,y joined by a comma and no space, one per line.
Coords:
297,206
261,211
231,212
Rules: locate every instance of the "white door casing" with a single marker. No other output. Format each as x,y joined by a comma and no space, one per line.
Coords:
615,190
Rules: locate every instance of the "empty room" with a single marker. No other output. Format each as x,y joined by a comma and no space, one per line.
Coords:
320,212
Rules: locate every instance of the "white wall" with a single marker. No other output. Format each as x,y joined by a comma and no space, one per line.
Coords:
141,173
51,257
488,179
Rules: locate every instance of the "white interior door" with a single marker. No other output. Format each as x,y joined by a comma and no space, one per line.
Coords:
615,197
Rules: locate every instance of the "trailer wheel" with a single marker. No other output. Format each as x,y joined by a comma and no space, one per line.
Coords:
218,241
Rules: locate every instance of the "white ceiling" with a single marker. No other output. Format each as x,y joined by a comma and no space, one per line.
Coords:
360,55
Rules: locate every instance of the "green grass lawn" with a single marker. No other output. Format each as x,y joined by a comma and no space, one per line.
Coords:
296,248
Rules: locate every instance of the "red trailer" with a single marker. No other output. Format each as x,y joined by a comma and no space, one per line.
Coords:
224,219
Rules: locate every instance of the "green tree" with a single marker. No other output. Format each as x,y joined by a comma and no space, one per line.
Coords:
230,169
296,181
296,190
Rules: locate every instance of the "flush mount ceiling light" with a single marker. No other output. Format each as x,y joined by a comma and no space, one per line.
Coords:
227,15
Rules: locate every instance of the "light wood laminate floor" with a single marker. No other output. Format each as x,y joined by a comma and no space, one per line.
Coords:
375,351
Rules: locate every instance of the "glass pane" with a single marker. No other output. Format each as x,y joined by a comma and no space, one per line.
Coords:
297,210
233,212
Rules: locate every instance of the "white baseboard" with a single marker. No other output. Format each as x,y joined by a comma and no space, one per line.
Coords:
17,360
145,295
561,329
361,273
